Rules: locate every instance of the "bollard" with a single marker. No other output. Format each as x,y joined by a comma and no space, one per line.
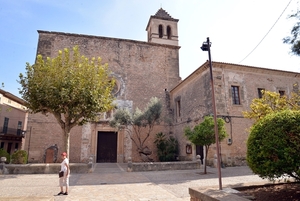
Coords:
2,169
198,159
129,167
90,164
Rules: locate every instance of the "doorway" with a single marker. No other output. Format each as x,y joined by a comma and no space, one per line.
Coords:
107,147
9,147
199,151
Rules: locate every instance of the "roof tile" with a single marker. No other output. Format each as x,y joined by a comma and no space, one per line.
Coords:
163,14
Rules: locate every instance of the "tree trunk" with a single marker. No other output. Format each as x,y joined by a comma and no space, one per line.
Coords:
67,142
205,159
68,145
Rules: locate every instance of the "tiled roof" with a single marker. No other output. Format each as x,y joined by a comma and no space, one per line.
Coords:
163,14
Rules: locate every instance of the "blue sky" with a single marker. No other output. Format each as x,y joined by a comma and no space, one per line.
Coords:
235,27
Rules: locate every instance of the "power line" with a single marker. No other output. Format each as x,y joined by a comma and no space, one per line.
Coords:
267,32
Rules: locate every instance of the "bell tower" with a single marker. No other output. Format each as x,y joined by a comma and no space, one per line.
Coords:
162,29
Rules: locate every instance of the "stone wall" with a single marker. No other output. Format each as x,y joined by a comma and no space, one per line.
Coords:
44,132
45,168
195,98
142,70
161,166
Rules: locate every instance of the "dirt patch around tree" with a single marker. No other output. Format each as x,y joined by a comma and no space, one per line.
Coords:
272,192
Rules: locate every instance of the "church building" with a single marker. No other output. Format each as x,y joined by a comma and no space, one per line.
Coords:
151,69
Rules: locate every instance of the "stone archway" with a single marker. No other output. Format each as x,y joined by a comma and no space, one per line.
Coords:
50,155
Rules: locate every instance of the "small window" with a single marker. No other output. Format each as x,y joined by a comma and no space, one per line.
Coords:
169,33
5,125
16,146
19,130
281,92
235,95
260,92
160,31
2,145
178,107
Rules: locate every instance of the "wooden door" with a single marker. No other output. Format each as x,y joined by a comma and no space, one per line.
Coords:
49,155
107,147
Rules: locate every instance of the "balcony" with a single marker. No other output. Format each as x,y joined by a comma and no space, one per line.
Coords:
13,132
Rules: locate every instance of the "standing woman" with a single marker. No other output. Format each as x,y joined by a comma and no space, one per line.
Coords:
65,179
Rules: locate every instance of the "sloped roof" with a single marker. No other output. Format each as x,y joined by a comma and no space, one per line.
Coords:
246,68
12,97
163,14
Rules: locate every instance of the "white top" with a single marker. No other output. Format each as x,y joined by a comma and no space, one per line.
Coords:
63,166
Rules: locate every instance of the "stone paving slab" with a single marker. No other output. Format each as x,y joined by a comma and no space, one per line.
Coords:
111,182
27,198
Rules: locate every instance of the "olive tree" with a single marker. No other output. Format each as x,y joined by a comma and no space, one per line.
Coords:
273,145
139,124
72,87
203,134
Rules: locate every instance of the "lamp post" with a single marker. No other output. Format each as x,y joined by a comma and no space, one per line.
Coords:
206,47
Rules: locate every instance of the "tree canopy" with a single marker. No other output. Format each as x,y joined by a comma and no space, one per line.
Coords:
273,145
72,87
294,39
142,123
271,102
204,133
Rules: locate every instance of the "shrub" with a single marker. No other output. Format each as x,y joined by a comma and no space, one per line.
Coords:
4,153
273,145
167,148
19,157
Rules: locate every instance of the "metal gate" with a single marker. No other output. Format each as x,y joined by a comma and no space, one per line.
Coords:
107,147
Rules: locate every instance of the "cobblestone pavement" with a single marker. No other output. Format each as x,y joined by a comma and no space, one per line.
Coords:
111,182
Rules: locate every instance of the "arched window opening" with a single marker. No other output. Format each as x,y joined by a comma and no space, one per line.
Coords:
160,31
169,33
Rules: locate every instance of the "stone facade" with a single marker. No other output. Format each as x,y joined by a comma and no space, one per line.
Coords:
151,69
191,100
142,70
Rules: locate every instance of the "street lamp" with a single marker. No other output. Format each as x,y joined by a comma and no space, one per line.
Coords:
206,47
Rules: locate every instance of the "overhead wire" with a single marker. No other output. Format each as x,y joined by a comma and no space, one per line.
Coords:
267,32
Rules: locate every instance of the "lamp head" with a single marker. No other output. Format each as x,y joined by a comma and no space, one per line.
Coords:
205,46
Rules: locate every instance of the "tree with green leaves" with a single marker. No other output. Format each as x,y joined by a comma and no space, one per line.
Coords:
273,145
139,124
167,147
271,102
72,87
293,39
203,134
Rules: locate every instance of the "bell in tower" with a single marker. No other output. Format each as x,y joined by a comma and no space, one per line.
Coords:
162,28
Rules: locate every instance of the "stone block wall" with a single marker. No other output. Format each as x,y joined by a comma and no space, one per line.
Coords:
44,132
142,70
195,98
